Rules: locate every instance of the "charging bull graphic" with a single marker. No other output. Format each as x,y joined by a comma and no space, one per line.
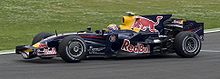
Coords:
143,23
139,48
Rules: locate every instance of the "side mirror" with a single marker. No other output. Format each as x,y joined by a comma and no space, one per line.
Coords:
103,31
97,31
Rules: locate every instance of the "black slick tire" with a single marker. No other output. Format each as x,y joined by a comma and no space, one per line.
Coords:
72,49
187,44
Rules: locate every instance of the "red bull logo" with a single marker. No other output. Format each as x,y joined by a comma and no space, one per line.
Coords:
139,48
144,23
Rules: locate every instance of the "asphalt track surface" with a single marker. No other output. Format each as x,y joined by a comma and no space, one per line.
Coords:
205,66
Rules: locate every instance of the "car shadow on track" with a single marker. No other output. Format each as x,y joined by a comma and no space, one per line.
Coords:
41,61
59,60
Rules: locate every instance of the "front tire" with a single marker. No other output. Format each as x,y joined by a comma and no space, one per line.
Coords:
72,49
40,36
187,44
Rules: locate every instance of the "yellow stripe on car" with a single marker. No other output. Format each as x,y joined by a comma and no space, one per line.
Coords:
28,50
36,45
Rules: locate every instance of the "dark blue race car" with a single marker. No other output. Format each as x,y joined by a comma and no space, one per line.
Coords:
158,34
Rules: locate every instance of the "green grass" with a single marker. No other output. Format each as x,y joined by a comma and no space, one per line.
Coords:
20,20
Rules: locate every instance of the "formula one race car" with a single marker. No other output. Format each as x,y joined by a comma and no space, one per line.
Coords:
157,34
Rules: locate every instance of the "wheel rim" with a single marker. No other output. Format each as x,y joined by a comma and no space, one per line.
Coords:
75,49
191,45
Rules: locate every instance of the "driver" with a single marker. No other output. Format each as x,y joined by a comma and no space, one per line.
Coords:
112,27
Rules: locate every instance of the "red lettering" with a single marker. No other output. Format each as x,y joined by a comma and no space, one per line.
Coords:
146,50
130,48
136,49
139,48
125,44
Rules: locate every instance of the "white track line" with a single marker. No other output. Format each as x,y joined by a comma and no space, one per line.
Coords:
212,30
210,51
206,31
7,52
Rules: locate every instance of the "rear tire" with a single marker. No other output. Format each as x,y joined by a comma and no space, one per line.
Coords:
72,49
187,44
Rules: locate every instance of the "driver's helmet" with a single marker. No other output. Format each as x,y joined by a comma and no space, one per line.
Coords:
112,27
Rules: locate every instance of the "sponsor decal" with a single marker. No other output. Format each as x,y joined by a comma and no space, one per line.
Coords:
47,51
112,38
139,48
98,49
143,23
